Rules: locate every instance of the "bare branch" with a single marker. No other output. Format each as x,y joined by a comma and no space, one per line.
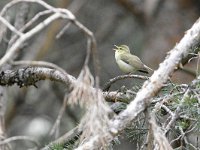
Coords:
15,47
30,75
58,13
58,119
63,30
12,3
176,114
11,27
17,138
30,23
91,48
115,79
161,141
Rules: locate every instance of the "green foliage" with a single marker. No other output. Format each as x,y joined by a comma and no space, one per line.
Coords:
136,134
136,88
118,107
57,146
138,130
172,96
190,101
183,124
197,86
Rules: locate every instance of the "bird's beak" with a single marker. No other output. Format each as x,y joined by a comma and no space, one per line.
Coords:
116,47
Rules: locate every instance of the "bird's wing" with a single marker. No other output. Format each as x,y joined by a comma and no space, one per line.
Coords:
133,61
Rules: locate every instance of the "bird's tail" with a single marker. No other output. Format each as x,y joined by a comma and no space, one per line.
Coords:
150,71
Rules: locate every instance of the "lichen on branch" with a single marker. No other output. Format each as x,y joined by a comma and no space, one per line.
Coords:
30,75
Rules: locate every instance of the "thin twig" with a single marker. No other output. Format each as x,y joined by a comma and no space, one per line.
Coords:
11,27
91,48
58,13
159,137
121,77
61,112
35,18
198,61
167,110
63,30
20,21
17,138
15,47
12,3
175,115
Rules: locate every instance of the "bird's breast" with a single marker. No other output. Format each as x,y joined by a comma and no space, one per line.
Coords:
127,68
117,56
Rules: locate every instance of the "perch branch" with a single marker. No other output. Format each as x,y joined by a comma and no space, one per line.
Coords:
115,79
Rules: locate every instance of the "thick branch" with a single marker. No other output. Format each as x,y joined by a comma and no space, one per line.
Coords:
30,75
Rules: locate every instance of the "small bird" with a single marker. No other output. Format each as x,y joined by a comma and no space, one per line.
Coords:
129,63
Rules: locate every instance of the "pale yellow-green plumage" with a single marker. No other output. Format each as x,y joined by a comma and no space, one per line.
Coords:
129,63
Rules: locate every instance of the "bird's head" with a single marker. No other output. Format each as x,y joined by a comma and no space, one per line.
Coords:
122,49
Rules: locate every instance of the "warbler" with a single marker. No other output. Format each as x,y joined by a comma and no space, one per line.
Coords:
129,63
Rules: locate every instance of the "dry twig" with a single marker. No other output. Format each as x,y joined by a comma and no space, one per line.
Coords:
115,79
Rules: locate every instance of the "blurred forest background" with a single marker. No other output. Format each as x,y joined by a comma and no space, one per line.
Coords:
150,28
